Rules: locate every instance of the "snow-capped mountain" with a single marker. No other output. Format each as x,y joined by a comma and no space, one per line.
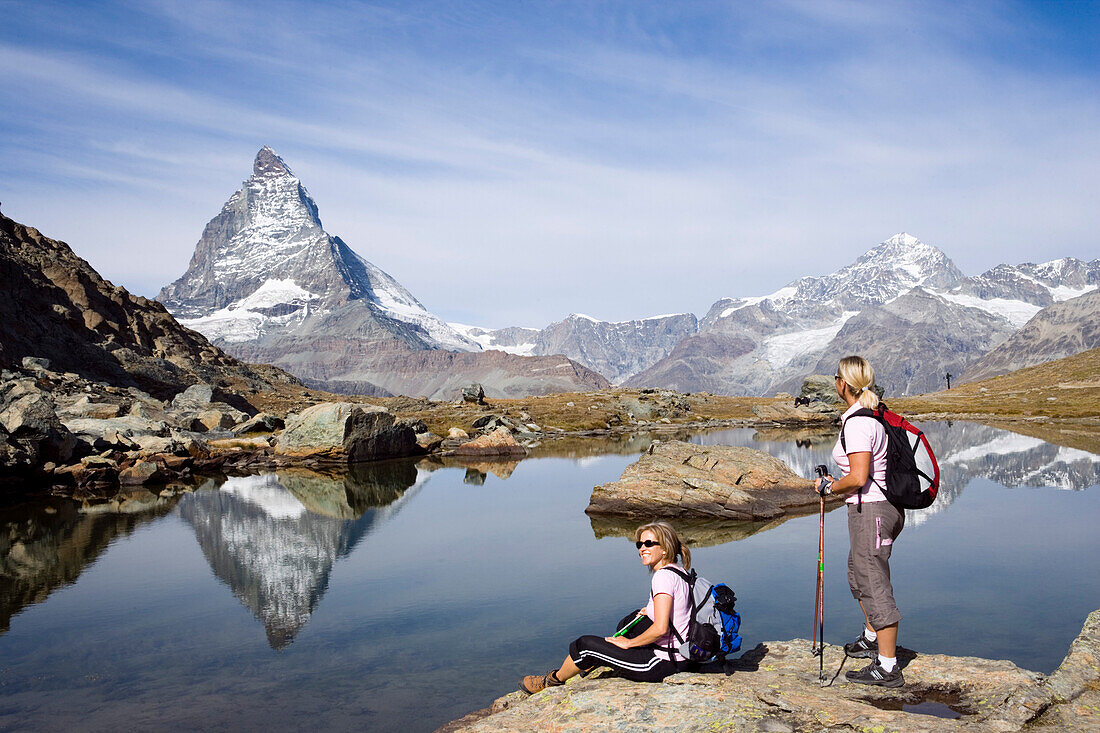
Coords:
615,349
512,340
268,284
1065,328
265,268
767,341
1018,292
884,272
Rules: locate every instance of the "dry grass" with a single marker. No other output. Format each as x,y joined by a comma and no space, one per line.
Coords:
576,411
1065,389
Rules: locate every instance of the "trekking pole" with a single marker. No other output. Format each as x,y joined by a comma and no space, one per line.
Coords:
629,626
819,611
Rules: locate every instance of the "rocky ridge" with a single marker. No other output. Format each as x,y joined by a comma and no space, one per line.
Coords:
1059,330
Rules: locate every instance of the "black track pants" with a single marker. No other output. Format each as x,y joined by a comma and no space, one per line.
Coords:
640,664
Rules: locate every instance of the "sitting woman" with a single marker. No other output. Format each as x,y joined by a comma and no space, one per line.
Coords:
646,652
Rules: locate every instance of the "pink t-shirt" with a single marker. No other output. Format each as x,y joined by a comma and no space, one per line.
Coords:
863,435
675,586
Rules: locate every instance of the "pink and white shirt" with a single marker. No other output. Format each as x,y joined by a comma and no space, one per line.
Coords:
863,435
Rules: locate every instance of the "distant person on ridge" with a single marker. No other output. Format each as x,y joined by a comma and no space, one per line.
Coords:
873,525
642,654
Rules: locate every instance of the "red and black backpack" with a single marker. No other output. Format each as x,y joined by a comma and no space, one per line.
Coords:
912,473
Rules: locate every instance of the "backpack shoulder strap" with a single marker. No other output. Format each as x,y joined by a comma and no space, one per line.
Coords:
861,412
690,580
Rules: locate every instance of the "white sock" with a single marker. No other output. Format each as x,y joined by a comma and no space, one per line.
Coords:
887,663
869,635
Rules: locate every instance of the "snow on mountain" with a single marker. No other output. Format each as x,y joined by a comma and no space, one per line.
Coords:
511,340
884,272
1018,292
266,268
782,349
615,349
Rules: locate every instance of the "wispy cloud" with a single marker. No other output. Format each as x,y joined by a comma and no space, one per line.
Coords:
512,163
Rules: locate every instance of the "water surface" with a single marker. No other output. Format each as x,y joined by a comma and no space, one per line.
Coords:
407,594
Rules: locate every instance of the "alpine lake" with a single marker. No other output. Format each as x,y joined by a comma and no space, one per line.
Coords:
402,595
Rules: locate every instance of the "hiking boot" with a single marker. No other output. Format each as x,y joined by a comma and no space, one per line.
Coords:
533,683
862,647
874,674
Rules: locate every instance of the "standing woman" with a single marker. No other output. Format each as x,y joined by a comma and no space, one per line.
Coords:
644,654
873,525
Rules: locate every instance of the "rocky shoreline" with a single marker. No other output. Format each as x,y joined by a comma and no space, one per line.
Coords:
69,435
775,688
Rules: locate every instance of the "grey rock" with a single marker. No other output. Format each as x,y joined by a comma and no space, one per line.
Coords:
128,426
820,388
320,429
474,393
197,395
261,423
374,435
36,364
32,426
84,407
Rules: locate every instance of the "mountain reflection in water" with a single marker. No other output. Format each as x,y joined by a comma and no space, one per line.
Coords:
964,450
274,538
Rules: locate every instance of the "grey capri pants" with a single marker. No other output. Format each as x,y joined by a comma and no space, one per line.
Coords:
871,535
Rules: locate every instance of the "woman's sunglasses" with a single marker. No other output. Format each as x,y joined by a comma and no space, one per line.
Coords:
646,543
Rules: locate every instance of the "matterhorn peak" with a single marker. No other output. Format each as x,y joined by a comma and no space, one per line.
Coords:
904,239
268,163
265,269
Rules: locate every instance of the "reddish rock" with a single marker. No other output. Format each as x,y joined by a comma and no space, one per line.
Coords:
142,472
678,479
497,443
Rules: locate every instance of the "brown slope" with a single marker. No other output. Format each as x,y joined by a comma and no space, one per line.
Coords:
330,361
1064,388
57,307
704,362
1057,331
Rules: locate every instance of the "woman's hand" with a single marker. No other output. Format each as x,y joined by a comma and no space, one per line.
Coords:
817,482
620,641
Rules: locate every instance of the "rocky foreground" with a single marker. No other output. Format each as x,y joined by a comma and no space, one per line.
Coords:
775,688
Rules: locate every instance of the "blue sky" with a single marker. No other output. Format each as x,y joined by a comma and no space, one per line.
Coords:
511,163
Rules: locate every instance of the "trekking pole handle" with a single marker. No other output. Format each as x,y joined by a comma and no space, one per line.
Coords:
826,484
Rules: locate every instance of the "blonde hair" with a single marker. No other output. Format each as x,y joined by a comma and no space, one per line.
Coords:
668,539
860,378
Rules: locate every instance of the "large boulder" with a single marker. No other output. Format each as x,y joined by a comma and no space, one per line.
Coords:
34,433
820,388
497,443
474,393
347,431
194,397
371,435
677,479
319,429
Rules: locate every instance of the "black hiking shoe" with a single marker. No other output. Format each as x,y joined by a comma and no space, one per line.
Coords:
862,647
874,674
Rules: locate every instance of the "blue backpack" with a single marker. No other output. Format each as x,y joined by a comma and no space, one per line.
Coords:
713,624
